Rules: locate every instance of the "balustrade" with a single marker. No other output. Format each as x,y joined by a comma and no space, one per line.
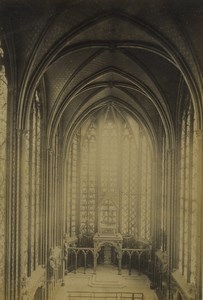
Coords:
75,254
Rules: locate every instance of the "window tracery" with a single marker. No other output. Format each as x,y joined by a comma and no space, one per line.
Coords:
109,157
145,182
104,163
129,183
88,181
72,185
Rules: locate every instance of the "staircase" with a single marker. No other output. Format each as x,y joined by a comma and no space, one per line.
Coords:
106,282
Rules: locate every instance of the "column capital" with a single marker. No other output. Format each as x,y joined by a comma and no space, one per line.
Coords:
25,132
50,150
19,131
170,151
199,133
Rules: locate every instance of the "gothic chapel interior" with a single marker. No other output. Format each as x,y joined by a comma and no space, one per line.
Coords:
101,146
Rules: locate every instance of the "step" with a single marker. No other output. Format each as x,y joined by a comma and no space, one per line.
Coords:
94,281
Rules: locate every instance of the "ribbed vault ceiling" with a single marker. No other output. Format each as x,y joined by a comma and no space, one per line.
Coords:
89,51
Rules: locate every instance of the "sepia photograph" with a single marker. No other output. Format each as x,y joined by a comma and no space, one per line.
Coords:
101,149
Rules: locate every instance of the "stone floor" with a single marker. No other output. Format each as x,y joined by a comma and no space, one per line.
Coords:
105,280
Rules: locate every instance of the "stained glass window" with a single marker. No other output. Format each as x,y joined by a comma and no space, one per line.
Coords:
73,165
88,181
103,164
145,200
109,155
129,182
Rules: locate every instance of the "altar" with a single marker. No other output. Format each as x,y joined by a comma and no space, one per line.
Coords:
107,244
107,235
108,241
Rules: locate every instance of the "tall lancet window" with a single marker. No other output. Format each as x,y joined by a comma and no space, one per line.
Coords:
73,184
109,150
188,197
129,176
104,179
145,204
3,134
88,181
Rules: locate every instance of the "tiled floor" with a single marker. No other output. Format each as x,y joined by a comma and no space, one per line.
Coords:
105,280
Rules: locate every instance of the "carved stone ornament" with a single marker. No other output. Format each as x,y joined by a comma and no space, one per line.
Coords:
55,258
66,247
162,261
181,286
24,285
29,285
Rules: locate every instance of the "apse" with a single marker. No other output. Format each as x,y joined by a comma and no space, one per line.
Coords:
108,184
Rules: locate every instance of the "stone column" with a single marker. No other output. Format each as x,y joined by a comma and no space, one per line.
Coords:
139,260
16,222
76,261
3,171
63,271
49,198
24,206
85,261
119,262
95,261
171,217
199,135
130,262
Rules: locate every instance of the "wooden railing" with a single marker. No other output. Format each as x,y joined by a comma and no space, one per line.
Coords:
104,296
